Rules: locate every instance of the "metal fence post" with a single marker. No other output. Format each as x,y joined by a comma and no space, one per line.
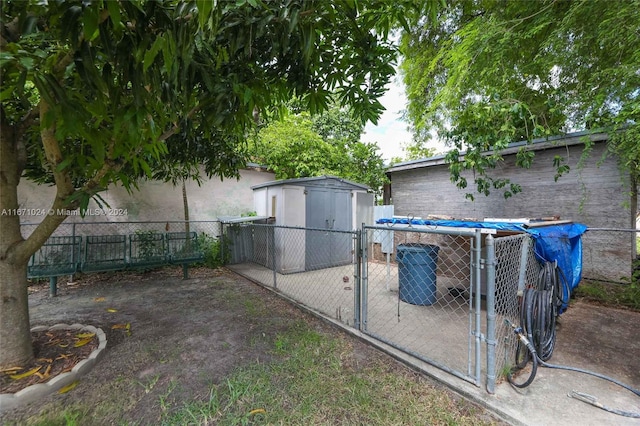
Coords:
272,247
524,254
53,286
477,285
364,281
73,250
359,261
491,314
222,245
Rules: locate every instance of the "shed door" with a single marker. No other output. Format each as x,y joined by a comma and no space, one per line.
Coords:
328,210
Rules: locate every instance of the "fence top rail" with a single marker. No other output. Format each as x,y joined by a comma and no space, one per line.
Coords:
230,220
614,229
268,225
181,235
103,239
122,222
56,240
432,229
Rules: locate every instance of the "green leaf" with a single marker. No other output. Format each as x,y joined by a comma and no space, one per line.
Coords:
204,10
98,151
247,95
6,93
29,25
145,168
64,164
6,58
26,62
151,54
43,89
90,19
114,13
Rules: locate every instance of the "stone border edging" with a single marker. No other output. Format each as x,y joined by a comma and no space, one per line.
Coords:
39,390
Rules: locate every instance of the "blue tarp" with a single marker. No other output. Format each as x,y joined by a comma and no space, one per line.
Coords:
561,243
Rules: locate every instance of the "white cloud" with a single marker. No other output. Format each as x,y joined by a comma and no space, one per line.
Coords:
390,131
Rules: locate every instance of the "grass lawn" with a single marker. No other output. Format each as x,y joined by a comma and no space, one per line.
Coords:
216,349
316,380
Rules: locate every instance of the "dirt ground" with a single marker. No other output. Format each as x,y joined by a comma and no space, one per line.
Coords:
187,335
184,336
600,339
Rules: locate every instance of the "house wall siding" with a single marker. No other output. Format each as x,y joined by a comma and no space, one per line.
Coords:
159,201
593,192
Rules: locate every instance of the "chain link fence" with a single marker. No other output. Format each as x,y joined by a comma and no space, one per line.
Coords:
427,292
444,295
611,254
316,268
106,246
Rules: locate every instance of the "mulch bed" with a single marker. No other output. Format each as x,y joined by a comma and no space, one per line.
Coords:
55,352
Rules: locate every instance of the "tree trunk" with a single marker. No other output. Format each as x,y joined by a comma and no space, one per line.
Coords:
634,218
15,329
16,348
185,201
15,336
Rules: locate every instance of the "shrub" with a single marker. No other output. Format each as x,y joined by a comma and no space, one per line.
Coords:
148,247
212,248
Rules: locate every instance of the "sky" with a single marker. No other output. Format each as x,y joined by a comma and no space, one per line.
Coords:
391,131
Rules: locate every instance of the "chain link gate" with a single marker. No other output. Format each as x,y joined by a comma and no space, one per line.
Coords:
423,294
438,294
449,308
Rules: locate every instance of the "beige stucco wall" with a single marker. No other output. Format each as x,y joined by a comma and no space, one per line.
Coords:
155,200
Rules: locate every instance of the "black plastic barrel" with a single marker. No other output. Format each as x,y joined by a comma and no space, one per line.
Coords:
417,264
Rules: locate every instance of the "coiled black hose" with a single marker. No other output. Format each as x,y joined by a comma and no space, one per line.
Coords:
539,309
574,394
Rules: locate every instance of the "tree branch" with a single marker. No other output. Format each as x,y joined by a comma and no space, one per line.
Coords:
64,189
521,20
172,131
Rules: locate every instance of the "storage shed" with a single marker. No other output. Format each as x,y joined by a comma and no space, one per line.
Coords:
329,208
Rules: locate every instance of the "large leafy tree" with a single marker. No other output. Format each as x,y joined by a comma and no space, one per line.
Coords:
414,150
354,160
489,72
300,145
292,149
102,92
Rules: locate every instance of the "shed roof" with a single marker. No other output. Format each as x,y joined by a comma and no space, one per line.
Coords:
535,145
327,181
